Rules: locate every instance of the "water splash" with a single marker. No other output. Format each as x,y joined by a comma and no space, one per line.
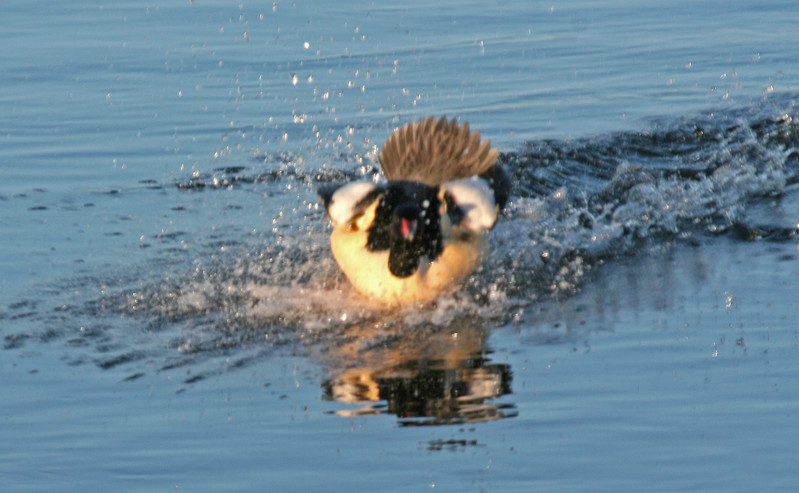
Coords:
575,205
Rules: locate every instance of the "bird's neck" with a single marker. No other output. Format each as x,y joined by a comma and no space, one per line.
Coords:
403,258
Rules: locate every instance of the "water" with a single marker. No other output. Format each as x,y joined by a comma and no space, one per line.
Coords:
172,318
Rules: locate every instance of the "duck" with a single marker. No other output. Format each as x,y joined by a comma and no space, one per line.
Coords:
423,230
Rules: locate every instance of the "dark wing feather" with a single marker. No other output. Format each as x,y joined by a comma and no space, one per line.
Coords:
435,151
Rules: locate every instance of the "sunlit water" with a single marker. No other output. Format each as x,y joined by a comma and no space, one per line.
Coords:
171,315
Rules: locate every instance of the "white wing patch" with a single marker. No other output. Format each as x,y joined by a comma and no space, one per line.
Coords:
343,201
476,199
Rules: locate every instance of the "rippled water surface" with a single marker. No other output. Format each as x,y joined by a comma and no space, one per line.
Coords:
171,316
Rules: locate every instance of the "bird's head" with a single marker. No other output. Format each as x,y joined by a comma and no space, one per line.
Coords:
406,221
408,224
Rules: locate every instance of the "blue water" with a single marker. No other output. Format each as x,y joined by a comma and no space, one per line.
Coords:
171,317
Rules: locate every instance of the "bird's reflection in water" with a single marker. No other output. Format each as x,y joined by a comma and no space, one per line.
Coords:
424,375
